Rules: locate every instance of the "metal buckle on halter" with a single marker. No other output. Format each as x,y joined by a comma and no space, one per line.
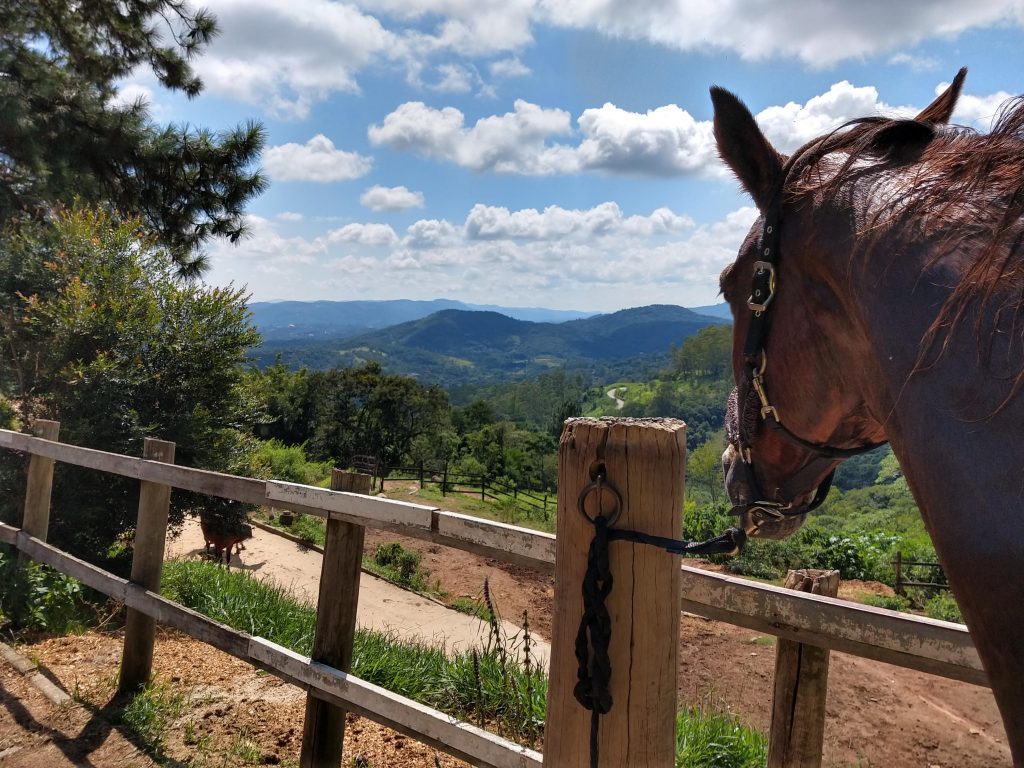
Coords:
764,286
757,382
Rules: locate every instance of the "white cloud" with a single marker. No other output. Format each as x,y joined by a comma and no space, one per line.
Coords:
454,78
506,68
375,235
977,111
916,63
663,142
316,160
380,198
290,216
597,258
289,56
666,141
428,233
486,222
819,34
511,143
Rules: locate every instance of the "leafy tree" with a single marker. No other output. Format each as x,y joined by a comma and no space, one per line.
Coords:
708,353
352,411
62,136
99,332
704,467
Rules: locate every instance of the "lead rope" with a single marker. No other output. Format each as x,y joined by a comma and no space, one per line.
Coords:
594,672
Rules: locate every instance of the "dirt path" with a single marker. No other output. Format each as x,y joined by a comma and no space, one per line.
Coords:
382,606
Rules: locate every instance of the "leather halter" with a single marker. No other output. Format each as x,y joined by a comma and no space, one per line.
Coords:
762,295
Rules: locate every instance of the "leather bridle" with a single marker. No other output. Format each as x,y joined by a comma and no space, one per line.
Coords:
755,359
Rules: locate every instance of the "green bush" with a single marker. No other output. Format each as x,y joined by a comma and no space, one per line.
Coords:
855,556
278,461
943,606
892,602
403,562
36,597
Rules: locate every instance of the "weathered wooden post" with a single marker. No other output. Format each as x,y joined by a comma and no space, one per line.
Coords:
147,564
323,732
645,461
35,520
801,685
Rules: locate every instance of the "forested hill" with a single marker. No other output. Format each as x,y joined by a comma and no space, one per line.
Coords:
455,346
322,320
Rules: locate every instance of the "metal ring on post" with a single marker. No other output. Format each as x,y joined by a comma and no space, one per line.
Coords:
599,485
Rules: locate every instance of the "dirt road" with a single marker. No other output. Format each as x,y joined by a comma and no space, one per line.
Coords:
382,605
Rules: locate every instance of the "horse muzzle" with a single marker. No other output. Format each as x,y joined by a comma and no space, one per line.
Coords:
759,517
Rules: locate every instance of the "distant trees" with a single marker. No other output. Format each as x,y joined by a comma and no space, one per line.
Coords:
98,331
64,138
707,354
344,412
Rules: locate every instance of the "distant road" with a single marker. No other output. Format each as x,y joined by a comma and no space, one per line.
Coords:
613,393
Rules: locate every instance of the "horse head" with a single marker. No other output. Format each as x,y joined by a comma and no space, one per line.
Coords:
799,407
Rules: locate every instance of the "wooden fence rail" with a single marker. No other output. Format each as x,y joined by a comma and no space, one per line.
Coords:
913,642
437,729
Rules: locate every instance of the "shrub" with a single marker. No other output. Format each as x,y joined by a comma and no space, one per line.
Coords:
943,606
401,565
36,597
892,602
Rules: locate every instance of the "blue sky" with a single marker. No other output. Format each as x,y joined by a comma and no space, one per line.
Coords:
546,152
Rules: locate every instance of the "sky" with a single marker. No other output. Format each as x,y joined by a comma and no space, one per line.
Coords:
547,153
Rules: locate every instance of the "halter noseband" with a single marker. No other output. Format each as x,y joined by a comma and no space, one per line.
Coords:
762,295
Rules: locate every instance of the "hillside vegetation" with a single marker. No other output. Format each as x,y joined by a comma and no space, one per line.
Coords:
455,347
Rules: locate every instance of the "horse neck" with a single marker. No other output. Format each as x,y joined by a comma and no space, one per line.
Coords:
941,411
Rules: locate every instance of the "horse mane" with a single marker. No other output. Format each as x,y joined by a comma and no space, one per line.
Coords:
956,189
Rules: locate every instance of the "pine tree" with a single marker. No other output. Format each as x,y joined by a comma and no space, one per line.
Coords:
62,138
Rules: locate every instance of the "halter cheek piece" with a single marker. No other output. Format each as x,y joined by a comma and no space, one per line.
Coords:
762,295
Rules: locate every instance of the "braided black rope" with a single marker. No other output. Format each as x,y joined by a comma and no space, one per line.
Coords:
595,633
594,671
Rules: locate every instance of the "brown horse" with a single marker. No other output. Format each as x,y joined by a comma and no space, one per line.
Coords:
886,302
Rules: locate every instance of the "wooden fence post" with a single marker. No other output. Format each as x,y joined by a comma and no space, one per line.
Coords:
35,520
645,460
898,565
801,685
147,563
323,732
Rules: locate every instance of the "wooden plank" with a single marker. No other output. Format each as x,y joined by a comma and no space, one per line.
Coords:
531,547
39,483
351,507
643,465
797,730
323,731
8,533
915,642
147,563
113,586
242,489
462,740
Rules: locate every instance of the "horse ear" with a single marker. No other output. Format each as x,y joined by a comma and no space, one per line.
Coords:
940,110
902,140
745,149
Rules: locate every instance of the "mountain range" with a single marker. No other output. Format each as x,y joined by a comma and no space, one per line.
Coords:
457,346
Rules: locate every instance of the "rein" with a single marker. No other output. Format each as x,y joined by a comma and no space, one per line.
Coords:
762,296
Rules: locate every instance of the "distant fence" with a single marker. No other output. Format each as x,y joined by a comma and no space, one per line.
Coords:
536,504
923,574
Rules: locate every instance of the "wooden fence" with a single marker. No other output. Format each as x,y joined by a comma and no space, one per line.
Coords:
911,573
534,503
913,642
